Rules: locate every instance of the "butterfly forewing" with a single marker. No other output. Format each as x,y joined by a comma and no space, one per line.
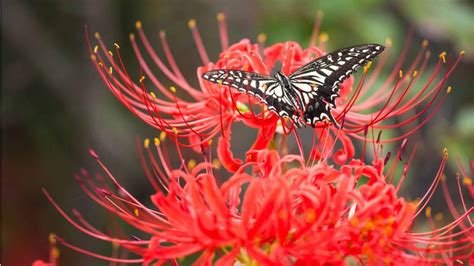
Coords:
323,76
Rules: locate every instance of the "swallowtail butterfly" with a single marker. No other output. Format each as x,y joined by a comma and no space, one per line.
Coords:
306,95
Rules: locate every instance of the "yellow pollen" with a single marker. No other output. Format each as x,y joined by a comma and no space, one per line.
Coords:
219,82
132,36
449,89
93,57
162,135
262,37
424,43
415,73
97,35
220,17
110,53
116,45
96,48
217,164
323,37
192,23
243,108
367,67
462,53
445,152
209,142
400,73
388,42
142,79
428,211
55,252
191,164
443,56
175,131
136,212
173,89
438,217
146,143
52,238
157,141
101,64
153,95
310,214
467,181
162,34
111,70
319,13
138,24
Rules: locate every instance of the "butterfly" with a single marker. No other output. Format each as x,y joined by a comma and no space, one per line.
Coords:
306,95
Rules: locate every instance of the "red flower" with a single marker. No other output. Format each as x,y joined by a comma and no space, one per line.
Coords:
199,114
286,212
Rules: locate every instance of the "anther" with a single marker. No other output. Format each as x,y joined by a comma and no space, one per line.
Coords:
157,141
191,164
462,53
388,42
449,89
175,131
97,35
367,67
216,163
173,89
132,36
415,73
220,17
136,212
142,79
400,73
93,57
424,43
428,211
146,143
445,152
438,217
162,135
152,94
111,70
138,24
52,238
116,45
467,181
162,34
262,38
323,37
192,23
110,53
96,48
443,56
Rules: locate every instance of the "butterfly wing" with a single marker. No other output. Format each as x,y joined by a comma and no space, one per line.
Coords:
268,90
318,81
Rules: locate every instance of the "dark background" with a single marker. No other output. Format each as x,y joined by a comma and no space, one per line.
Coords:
55,106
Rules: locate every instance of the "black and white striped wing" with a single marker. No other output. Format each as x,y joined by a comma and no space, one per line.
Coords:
266,89
318,82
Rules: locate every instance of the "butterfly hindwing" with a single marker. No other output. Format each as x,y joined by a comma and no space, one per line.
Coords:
266,89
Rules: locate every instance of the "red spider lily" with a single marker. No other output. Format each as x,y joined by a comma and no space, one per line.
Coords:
286,212
199,114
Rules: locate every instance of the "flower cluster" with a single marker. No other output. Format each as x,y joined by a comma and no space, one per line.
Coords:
322,205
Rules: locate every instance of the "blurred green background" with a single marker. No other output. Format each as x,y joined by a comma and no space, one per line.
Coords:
55,106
